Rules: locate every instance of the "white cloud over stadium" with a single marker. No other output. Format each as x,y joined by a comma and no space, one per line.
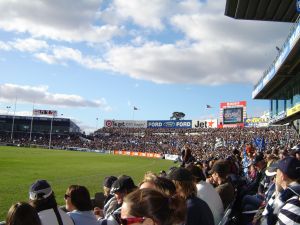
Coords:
210,49
41,95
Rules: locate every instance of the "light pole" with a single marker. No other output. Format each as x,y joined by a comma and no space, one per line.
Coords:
13,122
8,108
51,126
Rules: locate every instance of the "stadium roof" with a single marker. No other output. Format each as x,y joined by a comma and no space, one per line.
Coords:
266,10
284,67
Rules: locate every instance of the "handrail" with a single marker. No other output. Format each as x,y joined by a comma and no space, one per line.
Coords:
292,30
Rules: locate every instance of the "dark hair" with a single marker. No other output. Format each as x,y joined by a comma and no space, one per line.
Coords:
41,204
80,197
154,204
196,172
22,213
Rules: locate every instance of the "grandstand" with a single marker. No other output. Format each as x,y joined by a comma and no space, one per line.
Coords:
37,125
280,83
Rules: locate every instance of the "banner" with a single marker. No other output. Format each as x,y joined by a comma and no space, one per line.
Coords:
169,124
293,110
37,112
140,154
126,123
256,122
211,123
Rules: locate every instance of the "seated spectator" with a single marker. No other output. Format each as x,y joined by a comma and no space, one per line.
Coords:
207,193
22,213
79,205
161,184
219,179
42,198
148,206
107,183
120,188
287,177
198,212
254,187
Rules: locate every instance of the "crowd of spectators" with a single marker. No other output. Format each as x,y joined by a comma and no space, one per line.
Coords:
254,172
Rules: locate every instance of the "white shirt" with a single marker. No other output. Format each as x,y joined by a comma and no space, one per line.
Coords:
207,193
48,217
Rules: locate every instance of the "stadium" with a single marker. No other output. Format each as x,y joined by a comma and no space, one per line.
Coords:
229,169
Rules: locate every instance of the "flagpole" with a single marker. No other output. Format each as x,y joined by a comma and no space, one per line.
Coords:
133,114
31,123
13,122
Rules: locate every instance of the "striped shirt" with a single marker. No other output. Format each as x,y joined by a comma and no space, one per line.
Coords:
290,212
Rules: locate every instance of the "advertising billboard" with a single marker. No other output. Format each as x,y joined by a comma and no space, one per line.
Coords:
169,124
126,123
256,122
232,114
208,123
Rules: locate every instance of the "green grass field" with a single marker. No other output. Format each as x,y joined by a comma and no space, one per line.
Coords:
20,167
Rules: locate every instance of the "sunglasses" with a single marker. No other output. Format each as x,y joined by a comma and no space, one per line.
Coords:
128,221
66,196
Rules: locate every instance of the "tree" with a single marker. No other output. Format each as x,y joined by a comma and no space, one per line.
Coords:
177,116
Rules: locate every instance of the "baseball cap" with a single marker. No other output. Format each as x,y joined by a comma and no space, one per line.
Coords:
122,183
108,181
290,166
40,189
180,174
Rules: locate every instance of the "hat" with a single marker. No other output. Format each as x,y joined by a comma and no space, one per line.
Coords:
122,183
180,174
271,169
40,189
258,159
290,166
220,167
108,181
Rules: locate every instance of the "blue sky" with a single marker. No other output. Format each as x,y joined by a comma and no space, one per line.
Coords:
93,59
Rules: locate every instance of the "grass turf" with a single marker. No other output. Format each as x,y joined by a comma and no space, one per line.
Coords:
20,167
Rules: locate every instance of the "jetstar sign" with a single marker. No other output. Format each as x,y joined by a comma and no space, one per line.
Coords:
211,123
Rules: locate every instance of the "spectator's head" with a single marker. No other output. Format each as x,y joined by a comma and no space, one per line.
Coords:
184,182
196,172
162,184
259,162
121,187
78,198
22,213
107,183
288,170
148,206
283,153
219,171
41,195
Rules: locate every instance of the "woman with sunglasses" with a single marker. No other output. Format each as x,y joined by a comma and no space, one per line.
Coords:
151,207
79,205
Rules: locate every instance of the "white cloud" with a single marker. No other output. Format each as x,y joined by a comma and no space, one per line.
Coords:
41,95
4,46
210,49
29,45
58,20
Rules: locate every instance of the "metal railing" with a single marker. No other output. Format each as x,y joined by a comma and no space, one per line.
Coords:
292,30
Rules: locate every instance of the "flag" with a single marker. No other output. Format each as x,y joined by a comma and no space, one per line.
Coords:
135,108
208,106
